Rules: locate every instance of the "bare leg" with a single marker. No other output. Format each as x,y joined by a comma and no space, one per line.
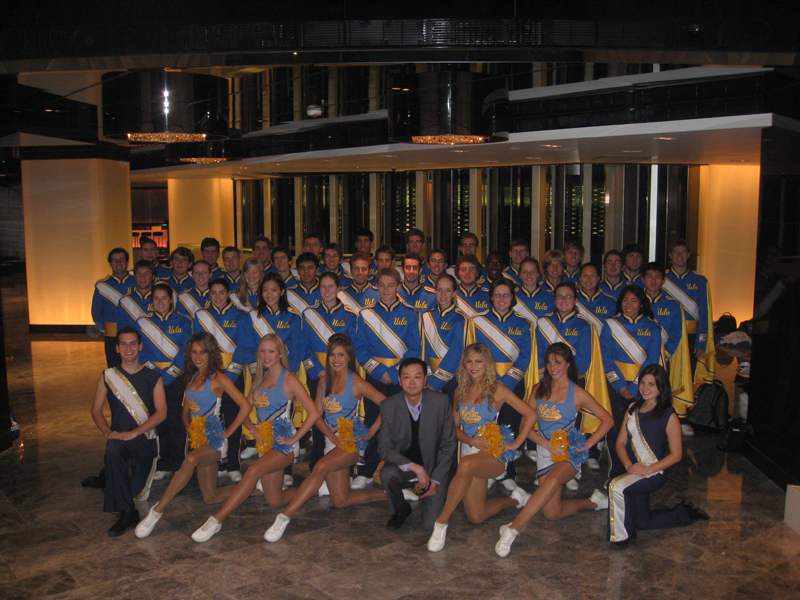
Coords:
481,466
336,460
207,478
202,456
272,462
478,508
342,495
549,494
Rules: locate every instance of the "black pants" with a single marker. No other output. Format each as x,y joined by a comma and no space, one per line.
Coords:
394,481
172,431
317,437
509,416
230,410
371,414
618,407
121,488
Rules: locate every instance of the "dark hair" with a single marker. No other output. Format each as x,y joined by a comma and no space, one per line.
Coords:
471,259
118,251
413,232
520,242
283,301
676,243
265,239
307,257
128,329
546,384
574,244
144,264
220,281
594,266
653,266
506,282
631,248
496,254
438,251
612,253
333,246
335,341
643,299
333,276
530,259
209,242
230,249
664,399
362,232
412,256
412,360
468,236
165,287
567,284
146,240
385,249
450,278
184,252
207,342
282,250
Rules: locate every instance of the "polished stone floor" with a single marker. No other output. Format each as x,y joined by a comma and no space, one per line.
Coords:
53,532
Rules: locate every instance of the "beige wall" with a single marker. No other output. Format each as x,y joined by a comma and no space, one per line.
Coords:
200,208
728,232
75,212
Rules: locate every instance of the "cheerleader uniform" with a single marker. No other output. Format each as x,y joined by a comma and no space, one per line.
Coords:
552,417
472,417
272,404
203,403
337,406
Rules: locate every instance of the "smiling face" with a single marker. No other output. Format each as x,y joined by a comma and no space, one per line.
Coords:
411,270
679,256
467,274
360,272
589,279
494,265
565,300
162,303
231,261
308,273
529,275
201,273
648,388
572,258
445,293
633,262
261,251
328,290
331,258
219,295
476,366
119,264
613,266
517,253
271,293
129,347
555,270
436,264
631,305
339,359
252,277
501,298
269,354
144,279
387,289
199,357
557,366
281,262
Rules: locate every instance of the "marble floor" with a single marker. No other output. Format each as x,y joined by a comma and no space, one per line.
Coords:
53,539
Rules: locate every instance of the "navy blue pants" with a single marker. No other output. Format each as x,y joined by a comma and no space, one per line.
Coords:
371,413
618,407
172,431
121,488
230,410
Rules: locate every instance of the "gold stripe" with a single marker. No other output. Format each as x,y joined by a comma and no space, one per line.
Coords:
227,357
629,371
691,327
162,365
503,368
388,362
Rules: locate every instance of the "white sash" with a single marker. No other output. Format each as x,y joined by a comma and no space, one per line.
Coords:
466,308
212,327
505,345
133,309
238,303
590,316
552,334
641,448
189,302
346,269
526,313
261,326
630,345
348,301
688,304
109,292
158,338
296,302
382,330
318,324
124,391
432,334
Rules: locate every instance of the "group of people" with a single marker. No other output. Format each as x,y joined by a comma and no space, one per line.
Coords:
443,374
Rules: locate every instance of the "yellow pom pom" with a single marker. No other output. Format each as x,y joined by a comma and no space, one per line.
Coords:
560,442
344,431
490,433
264,430
197,433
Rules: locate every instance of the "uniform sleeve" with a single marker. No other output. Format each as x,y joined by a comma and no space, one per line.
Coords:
98,305
253,339
243,345
361,345
674,331
583,349
516,373
310,361
542,343
296,344
449,364
174,370
124,318
607,348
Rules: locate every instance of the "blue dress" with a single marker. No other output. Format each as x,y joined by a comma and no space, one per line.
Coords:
472,417
273,403
554,416
337,406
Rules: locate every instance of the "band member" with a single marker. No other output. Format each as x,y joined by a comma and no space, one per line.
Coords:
573,256
209,248
613,282
519,250
553,266
274,314
262,249
282,260
149,252
312,243
436,265
231,259
199,296
332,262
108,291
472,297
494,266
412,290
359,293
632,258
593,304
181,261
415,244
248,293
135,397
306,293
468,246
139,302
533,299
384,258
364,240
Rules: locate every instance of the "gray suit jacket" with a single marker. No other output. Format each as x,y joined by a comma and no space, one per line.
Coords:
437,433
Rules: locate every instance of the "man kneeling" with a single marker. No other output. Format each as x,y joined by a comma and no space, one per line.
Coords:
417,442
137,403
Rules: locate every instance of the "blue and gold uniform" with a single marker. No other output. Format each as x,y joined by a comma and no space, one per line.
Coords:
250,304
573,276
287,325
535,304
269,268
192,300
233,281
301,298
133,306
162,273
669,314
421,298
613,289
512,273
343,272
356,298
510,338
574,331
474,301
319,324
108,291
596,308
179,285
446,333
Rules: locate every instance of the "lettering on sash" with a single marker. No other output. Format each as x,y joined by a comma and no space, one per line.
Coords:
689,305
124,391
549,331
432,335
108,292
212,327
587,314
505,345
643,332
628,344
387,336
155,335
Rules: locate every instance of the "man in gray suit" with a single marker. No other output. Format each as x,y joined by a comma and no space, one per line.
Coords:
417,442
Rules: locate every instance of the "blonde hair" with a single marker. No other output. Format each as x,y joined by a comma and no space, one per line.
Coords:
243,292
464,379
271,337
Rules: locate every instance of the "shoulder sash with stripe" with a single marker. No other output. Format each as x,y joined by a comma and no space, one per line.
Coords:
212,327
503,343
589,316
133,309
630,345
260,325
108,292
644,454
296,302
318,324
124,391
383,331
189,302
468,311
155,335
549,331
688,304
526,313
432,334
348,301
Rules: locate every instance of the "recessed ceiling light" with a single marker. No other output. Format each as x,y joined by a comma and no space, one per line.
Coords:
491,161
550,146
515,148
533,158
459,151
632,151
388,155
739,160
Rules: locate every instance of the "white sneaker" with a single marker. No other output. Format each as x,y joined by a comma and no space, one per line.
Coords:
274,533
248,452
509,484
161,475
687,430
207,530
572,485
145,526
521,496
532,455
489,483
236,476
360,482
221,474
259,487
593,464
507,537
600,499
288,481
409,495
436,543
323,490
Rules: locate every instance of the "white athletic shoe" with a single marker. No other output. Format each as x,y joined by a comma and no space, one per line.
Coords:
600,499
436,543
207,530
509,484
489,483
221,474
593,464
161,475
409,495
248,452
145,526
532,455
572,485
236,476
521,496
259,487
687,430
507,537
274,533
323,490
360,482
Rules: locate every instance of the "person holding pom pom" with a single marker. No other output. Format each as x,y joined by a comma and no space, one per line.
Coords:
561,448
276,439
338,399
478,398
205,383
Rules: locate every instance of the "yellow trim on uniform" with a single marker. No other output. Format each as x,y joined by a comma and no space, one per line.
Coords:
629,371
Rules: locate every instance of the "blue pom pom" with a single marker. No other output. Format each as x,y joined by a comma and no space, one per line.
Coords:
214,432
281,428
360,431
576,443
508,438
